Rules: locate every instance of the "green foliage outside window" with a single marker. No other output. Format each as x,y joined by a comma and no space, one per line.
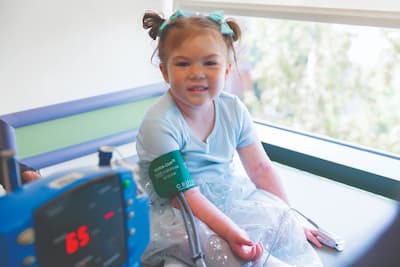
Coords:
341,81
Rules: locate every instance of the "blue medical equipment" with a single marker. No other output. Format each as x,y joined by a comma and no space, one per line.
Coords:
82,217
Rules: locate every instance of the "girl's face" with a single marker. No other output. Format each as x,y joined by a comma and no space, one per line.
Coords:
197,69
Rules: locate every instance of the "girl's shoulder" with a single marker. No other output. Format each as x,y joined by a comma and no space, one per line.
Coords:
163,113
230,101
226,96
163,109
162,105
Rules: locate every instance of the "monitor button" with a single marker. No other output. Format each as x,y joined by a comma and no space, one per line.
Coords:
28,260
129,202
26,237
131,214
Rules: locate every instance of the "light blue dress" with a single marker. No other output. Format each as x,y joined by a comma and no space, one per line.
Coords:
262,215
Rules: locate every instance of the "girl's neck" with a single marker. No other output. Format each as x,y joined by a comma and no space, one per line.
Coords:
200,120
198,113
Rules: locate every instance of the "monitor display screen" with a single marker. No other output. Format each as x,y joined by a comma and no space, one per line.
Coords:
83,227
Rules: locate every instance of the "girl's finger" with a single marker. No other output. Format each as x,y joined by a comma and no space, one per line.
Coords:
312,237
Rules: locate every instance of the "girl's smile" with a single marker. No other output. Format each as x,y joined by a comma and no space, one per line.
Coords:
198,88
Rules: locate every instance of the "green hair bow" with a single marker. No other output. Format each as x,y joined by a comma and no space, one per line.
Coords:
178,13
216,16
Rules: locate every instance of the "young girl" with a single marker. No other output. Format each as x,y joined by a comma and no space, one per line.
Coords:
243,220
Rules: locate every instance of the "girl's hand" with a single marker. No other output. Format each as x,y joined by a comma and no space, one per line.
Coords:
242,246
311,236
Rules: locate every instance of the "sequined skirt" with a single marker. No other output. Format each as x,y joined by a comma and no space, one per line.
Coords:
263,216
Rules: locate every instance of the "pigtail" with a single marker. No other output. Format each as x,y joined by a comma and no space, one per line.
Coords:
237,33
152,21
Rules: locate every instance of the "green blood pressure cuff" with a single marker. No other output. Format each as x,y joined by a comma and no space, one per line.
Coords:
170,175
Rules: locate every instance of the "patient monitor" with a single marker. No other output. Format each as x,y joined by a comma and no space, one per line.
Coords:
84,217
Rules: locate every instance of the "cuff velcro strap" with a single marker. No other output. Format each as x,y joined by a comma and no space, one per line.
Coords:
170,175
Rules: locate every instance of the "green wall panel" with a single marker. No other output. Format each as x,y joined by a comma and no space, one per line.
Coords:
59,133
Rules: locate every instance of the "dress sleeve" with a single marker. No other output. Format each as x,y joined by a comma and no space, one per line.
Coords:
156,138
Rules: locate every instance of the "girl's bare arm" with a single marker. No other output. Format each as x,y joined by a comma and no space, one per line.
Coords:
260,169
222,225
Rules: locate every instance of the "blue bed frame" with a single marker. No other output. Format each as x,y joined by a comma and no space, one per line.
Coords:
10,122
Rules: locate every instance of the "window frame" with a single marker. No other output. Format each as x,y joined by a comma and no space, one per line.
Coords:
366,13
371,170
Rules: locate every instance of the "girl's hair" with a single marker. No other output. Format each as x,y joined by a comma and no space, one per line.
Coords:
188,25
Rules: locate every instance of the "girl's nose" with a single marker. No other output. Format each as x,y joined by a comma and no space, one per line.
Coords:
197,72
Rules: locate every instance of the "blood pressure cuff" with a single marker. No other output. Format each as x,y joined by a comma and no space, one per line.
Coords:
170,175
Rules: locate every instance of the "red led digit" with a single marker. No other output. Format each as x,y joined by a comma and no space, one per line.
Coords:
83,236
108,215
71,243
74,241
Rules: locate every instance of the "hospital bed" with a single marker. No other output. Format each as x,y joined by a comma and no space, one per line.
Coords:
337,196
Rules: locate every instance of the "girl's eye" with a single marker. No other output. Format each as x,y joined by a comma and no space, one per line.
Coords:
182,64
211,63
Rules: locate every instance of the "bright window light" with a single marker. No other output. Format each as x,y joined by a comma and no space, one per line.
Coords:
336,80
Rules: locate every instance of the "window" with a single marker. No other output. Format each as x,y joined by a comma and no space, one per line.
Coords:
336,80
